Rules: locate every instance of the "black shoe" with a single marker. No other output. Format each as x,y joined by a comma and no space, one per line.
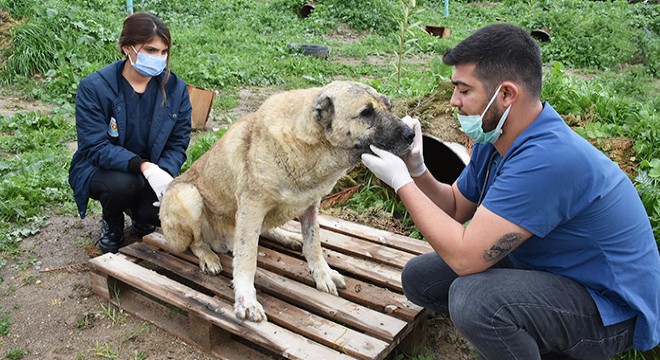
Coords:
112,235
140,229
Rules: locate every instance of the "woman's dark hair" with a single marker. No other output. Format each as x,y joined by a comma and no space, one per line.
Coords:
501,52
142,27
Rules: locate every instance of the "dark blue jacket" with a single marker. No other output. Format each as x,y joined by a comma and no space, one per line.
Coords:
99,99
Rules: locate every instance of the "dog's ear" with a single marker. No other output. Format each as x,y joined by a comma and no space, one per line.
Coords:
386,101
324,110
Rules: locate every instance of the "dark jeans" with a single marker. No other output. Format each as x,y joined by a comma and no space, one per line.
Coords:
509,313
121,192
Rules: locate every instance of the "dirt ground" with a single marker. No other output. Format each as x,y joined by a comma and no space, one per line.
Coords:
45,291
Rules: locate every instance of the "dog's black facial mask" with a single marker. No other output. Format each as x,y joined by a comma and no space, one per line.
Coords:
354,116
391,134
388,131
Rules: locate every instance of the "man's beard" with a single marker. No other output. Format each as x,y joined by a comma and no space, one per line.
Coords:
492,117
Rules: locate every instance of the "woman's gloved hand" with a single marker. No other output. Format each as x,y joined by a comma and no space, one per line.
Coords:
158,179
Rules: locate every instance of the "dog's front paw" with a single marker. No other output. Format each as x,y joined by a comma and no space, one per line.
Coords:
329,281
209,262
246,308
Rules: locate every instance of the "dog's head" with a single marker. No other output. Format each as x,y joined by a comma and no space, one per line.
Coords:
354,116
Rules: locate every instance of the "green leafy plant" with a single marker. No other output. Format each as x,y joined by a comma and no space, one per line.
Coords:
405,37
16,353
201,145
5,322
647,184
368,15
33,172
591,35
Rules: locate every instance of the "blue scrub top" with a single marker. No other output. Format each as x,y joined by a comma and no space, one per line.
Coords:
139,112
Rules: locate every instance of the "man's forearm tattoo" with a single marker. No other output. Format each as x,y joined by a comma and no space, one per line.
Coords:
502,247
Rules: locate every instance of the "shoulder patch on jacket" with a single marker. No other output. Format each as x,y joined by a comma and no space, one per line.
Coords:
112,128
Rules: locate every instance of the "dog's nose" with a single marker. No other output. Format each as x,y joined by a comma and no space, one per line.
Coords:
408,134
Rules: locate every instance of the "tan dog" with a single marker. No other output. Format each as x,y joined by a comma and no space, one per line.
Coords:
270,167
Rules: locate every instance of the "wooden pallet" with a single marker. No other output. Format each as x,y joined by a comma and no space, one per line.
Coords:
369,319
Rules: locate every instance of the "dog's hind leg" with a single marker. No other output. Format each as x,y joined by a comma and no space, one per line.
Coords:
184,223
327,280
287,238
209,261
249,219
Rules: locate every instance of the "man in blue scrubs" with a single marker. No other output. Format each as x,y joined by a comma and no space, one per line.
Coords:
558,259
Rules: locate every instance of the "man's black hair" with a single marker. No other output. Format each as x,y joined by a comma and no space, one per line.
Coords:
501,52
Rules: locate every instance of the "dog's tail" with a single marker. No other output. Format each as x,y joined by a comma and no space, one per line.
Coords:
181,216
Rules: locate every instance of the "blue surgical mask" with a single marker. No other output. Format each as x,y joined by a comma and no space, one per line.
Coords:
148,65
472,125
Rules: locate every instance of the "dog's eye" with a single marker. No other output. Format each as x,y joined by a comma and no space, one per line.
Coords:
367,111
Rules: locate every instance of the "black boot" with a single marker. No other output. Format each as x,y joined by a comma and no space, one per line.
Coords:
141,229
112,235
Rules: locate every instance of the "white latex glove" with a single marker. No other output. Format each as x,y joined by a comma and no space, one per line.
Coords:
158,179
414,159
388,167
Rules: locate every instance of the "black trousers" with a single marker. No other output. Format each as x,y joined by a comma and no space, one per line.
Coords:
120,192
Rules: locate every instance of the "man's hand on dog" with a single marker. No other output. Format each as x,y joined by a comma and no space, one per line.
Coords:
414,159
388,167
158,179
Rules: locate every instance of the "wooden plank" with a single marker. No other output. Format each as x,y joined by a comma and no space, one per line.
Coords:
100,285
417,333
359,291
378,236
175,323
211,309
206,334
310,325
294,267
376,273
220,345
357,246
365,319
373,322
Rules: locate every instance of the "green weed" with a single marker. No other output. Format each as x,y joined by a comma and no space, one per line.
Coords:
5,322
16,353
83,322
405,37
137,355
105,351
202,144
363,15
33,172
111,313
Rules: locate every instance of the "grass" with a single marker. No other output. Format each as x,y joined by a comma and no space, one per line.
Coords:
111,313
104,351
602,73
5,322
15,353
